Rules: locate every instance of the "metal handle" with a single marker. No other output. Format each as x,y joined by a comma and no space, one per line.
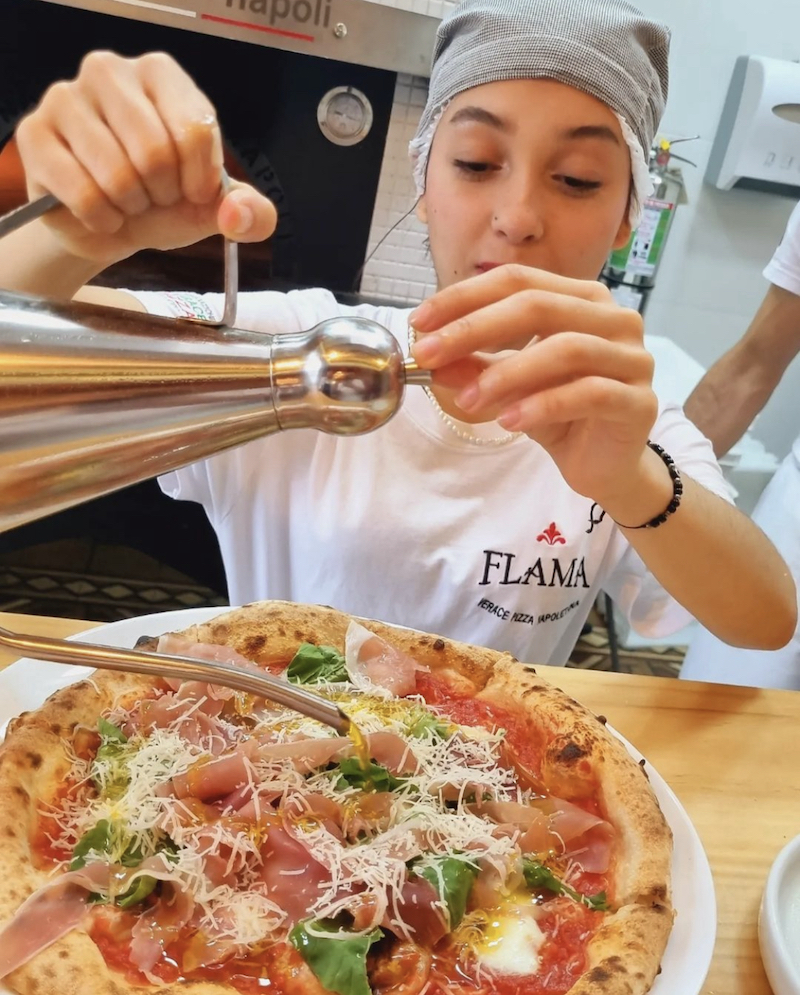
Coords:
36,208
183,667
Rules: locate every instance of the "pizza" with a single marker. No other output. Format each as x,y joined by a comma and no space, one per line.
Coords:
188,839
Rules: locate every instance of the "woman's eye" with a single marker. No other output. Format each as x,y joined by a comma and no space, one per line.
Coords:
472,167
575,183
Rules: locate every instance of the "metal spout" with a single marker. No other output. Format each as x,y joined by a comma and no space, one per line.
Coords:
93,399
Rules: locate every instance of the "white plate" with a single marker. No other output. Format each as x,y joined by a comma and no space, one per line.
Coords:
25,684
779,922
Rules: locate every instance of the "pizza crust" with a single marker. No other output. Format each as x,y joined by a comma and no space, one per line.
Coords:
625,953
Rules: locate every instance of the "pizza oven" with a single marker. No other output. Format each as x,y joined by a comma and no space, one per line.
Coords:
304,92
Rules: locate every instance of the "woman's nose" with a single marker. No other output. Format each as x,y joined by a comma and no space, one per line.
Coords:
517,214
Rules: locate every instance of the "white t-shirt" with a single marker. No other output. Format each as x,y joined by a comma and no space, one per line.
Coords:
412,524
784,268
784,271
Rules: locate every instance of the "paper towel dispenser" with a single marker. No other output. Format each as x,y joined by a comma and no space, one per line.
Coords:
758,139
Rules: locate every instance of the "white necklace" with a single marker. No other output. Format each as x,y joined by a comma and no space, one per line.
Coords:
453,425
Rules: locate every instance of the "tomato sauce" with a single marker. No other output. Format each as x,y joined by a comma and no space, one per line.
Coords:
45,852
461,708
562,959
254,975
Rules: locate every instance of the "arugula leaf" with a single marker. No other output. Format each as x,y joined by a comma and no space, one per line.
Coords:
96,839
137,892
340,965
427,722
316,665
373,778
452,878
540,877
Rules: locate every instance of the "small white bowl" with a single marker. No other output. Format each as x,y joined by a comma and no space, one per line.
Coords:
779,922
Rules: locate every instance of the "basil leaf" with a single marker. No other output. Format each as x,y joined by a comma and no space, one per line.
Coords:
96,839
452,879
112,751
539,877
373,778
429,723
108,731
137,892
316,665
340,965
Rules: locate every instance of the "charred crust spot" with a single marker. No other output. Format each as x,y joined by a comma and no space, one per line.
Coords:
605,972
63,954
13,894
642,762
35,759
570,753
660,892
253,644
48,972
533,689
10,833
602,720
144,641
67,702
300,636
439,645
21,792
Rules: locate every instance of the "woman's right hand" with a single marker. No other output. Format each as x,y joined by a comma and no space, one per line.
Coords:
133,150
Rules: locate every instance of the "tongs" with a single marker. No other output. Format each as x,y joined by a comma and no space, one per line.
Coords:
185,668
36,208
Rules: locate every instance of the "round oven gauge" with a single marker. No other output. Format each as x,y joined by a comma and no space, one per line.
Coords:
345,115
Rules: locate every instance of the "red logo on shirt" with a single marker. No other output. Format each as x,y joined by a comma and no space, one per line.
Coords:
551,535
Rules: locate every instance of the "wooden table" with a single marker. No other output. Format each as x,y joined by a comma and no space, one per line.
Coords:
729,755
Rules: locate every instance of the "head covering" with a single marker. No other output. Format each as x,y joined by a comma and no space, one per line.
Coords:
606,48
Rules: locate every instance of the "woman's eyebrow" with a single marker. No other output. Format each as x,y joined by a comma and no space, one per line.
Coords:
591,131
480,115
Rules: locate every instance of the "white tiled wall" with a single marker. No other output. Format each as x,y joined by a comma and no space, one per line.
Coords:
399,267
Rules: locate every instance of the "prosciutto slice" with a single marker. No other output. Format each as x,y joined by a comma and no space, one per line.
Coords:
60,906
177,646
292,877
158,927
50,913
372,662
417,907
218,778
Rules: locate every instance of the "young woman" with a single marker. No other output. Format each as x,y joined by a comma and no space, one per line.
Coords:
496,506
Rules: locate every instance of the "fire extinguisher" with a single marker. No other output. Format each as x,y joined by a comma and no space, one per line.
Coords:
630,272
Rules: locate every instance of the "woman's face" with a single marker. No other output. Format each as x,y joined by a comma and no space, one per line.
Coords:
526,171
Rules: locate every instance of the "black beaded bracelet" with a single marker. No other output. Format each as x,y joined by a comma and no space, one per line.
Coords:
677,492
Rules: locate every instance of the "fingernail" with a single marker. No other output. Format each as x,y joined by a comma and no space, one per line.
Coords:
510,418
468,397
245,219
420,316
428,349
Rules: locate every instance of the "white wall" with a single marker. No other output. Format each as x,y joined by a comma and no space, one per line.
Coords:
710,282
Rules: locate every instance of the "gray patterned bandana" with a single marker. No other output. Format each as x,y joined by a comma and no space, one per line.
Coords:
606,48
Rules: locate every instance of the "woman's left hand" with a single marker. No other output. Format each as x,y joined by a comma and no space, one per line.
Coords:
582,388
